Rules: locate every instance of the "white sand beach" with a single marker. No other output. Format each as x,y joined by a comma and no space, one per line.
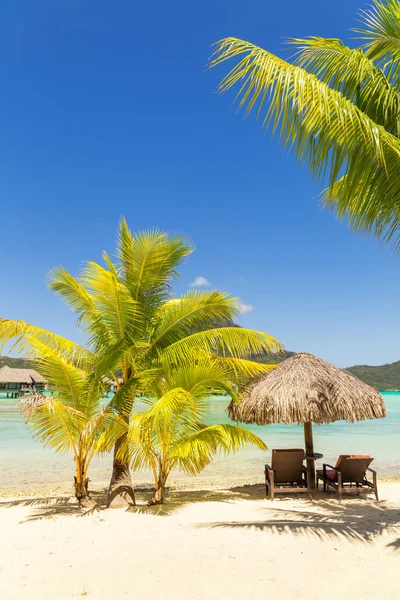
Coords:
208,545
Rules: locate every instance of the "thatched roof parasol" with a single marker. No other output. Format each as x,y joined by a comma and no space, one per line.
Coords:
306,389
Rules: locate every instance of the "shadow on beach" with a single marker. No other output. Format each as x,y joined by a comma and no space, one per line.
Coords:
359,520
50,506
355,519
178,499
53,506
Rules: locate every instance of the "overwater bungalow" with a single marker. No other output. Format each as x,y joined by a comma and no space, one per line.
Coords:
16,382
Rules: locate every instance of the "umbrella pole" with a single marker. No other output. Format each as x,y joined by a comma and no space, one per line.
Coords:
308,438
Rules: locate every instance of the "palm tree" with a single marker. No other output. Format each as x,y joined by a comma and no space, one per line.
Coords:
170,433
135,327
76,418
338,108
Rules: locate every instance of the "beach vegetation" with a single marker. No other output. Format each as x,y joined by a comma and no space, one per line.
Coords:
337,107
135,326
75,419
171,433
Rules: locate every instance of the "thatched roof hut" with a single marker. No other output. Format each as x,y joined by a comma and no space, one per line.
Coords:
27,376
30,373
8,375
305,389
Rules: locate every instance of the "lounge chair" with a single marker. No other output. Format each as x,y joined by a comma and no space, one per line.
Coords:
349,475
287,474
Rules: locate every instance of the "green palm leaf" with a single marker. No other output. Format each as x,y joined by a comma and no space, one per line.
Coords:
100,432
53,423
337,108
381,34
22,335
78,298
148,263
351,72
195,310
146,342
194,451
236,342
121,313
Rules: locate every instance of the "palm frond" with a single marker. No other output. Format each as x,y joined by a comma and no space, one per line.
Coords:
101,432
77,297
55,424
380,32
197,309
194,451
123,400
171,403
236,342
120,312
325,129
351,72
200,379
61,374
372,212
148,262
22,334
139,445
242,370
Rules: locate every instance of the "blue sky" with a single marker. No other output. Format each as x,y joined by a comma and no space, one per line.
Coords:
107,110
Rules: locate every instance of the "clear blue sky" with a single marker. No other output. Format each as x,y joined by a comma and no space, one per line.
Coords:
106,110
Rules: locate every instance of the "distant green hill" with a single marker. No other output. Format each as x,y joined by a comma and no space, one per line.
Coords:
16,363
271,359
383,377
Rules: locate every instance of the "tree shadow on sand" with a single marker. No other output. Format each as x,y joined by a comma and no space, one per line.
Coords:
395,545
53,506
322,517
178,499
362,521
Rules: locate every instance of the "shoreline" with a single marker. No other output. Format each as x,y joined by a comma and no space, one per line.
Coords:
143,487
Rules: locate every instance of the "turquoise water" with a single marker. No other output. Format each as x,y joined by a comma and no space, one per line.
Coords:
26,465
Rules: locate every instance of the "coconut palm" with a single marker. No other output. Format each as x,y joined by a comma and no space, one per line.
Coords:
76,419
135,327
338,108
171,434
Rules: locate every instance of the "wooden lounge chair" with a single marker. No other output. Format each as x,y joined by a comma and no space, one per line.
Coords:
287,474
349,475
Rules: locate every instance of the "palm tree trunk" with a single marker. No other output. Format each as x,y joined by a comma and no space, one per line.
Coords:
158,494
82,494
120,491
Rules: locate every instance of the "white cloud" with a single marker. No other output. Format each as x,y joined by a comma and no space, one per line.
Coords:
200,281
245,308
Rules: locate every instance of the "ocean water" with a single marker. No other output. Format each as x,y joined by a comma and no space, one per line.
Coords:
26,466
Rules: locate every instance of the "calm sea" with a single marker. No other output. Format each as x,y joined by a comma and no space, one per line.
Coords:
26,465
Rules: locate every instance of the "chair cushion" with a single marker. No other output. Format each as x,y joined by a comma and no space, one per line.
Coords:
359,456
330,473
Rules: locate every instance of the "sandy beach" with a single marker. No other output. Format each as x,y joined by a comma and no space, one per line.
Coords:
203,544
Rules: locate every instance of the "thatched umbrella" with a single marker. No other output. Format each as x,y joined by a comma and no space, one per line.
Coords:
305,389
